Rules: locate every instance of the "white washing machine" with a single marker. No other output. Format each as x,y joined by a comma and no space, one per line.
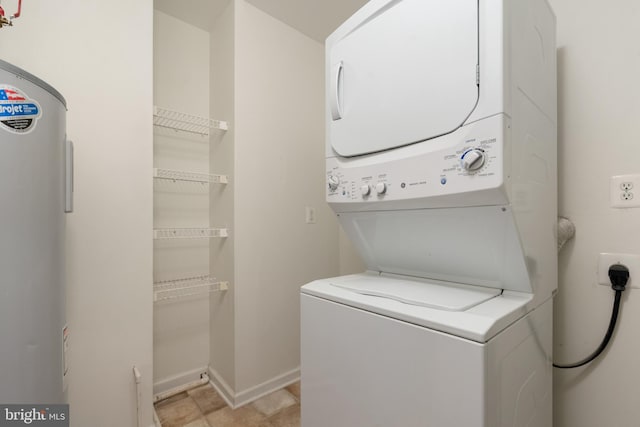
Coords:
441,167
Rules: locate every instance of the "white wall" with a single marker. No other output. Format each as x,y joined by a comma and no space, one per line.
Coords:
104,72
181,83
222,102
279,169
598,97
267,80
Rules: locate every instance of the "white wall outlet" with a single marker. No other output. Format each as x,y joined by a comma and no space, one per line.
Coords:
625,191
310,215
631,261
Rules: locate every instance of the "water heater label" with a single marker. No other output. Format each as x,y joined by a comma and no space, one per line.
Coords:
18,113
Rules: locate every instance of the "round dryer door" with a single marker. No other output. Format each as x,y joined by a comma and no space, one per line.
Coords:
400,72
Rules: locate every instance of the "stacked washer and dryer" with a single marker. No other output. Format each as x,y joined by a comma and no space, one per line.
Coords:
441,167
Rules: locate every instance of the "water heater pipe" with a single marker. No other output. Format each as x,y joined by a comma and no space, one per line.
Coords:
17,14
9,21
3,20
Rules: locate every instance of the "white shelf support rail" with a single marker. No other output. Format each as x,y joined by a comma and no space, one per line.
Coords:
205,178
193,286
176,120
189,233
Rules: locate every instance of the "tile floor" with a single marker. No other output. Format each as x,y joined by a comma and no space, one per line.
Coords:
203,407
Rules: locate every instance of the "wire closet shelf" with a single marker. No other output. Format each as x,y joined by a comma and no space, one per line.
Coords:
189,233
204,178
176,120
192,286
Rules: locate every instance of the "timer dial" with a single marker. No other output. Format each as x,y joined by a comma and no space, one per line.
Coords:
334,182
472,159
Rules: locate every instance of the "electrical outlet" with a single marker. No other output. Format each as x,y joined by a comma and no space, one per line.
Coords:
622,191
631,261
626,186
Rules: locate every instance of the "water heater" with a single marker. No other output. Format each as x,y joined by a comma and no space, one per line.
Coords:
35,189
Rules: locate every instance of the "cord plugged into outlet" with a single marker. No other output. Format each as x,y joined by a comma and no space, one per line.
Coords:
631,261
619,277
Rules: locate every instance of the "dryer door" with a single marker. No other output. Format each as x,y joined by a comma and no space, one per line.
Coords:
400,72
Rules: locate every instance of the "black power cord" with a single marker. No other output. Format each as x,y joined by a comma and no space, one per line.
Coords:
619,276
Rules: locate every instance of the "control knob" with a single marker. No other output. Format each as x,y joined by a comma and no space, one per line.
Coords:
381,188
473,159
334,182
365,190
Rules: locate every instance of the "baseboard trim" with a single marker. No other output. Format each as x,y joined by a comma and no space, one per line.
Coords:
156,419
221,387
249,395
236,400
177,380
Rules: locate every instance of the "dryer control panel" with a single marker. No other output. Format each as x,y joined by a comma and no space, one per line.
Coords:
459,164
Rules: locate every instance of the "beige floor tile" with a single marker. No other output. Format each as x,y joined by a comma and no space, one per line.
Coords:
178,413
200,422
207,399
247,416
288,417
294,389
274,402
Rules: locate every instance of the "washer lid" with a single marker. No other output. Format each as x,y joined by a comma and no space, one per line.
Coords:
493,310
449,297
400,72
477,245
